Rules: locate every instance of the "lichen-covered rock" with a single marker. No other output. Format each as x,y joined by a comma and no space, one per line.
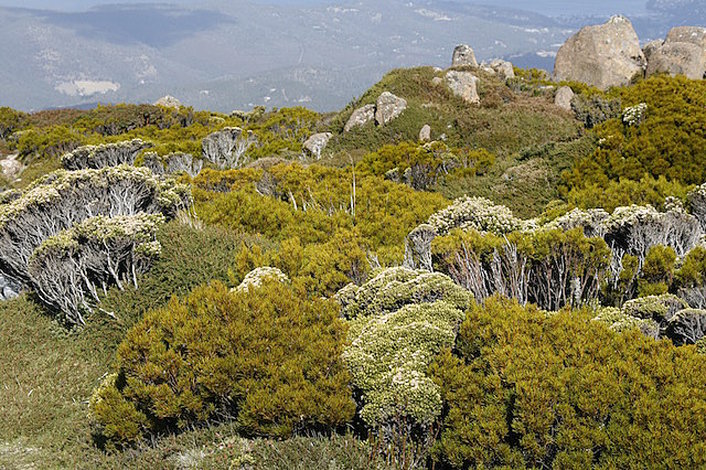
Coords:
168,101
11,167
425,133
687,326
603,56
689,34
476,213
464,85
649,48
254,278
503,68
315,144
678,58
463,55
563,97
388,107
360,117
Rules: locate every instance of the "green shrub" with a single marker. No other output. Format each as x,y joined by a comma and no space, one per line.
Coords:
527,390
657,271
267,357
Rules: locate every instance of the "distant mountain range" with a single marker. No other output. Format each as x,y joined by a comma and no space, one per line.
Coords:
226,55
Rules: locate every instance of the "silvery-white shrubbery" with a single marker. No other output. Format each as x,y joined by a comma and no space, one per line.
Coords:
104,155
64,198
68,270
697,204
228,147
592,221
255,277
476,213
177,162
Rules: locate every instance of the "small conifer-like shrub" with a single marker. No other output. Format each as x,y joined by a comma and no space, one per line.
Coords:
267,357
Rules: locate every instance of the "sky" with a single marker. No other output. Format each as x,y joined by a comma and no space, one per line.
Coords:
547,7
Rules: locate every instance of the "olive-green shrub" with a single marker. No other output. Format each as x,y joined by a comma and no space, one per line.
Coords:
530,390
267,357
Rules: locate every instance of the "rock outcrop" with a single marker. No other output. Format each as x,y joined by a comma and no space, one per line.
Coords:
463,55
360,117
315,144
464,85
169,102
425,133
388,108
683,53
649,48
503,68
11,167
678,58
563,97
604,55
691,34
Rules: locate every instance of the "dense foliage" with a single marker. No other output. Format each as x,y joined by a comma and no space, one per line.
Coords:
266,357
531,390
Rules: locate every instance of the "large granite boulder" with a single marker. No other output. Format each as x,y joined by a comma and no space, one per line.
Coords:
464,85
388,108
315,144
360,117
463,55
604,55
678,58
649,48
683,53
691,34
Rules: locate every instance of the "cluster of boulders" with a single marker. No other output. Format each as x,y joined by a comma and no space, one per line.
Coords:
387,108
610,55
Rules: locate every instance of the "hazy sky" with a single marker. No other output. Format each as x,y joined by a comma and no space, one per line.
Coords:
548,7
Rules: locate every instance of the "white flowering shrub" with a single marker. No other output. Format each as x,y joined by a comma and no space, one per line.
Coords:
255,277
660,308
592,221
104,155
619,321
388,358
476,213
634,115
64,198
68,270
177,162
391,289
228,147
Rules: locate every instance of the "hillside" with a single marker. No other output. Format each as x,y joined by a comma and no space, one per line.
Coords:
469,267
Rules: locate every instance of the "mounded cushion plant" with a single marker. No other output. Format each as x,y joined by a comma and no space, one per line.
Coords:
267,357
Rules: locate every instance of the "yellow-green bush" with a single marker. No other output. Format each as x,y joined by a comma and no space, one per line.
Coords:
267,357
527,390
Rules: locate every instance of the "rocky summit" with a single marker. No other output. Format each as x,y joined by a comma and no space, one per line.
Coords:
603,56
